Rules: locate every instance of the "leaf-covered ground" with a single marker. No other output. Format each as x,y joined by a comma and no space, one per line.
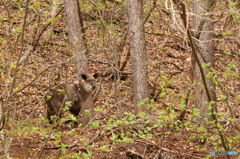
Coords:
109,135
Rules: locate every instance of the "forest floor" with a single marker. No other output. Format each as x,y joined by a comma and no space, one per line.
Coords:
169,68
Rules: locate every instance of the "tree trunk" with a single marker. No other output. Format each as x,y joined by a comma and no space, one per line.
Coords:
203,31
79,47
138,54
55,4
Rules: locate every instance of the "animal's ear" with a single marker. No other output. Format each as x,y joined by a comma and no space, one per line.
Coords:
95,75
84,77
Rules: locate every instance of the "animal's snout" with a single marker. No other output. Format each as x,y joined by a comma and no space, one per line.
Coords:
93,87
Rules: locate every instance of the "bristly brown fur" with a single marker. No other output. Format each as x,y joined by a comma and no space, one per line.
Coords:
76,94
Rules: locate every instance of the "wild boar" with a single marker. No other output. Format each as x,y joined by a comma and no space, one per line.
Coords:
71,96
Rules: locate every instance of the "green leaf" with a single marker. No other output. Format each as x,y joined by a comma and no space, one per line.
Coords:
68,104
233,4
238,96
206,65
126,139
98,109
61,91
63,148
48,97
87,154
13,66
114,137
222,97
72,117
227,52
104,147
95,124
87,112
227,33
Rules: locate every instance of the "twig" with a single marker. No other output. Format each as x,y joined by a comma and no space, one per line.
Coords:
99,113
35,78
182,7
154,4
8,139
230,109
106,63
99,14
100,85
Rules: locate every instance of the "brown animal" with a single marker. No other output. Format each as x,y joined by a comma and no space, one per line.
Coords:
69,95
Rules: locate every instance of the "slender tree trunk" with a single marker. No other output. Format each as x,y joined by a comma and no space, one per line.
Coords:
204,33
78,46
53,15
138,54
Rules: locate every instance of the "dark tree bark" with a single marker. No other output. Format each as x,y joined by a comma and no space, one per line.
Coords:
76,36
138,54
203,28
78,45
